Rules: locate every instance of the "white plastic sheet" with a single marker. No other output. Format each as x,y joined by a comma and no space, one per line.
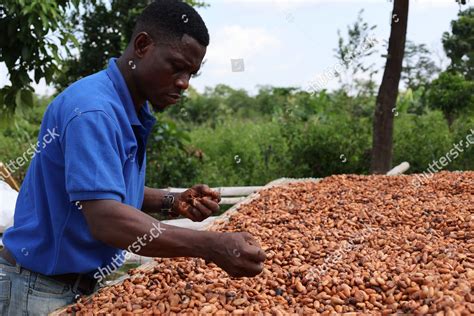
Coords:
8,198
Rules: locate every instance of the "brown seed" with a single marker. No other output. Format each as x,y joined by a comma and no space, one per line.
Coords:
300,287
336,300
239,301
207,309
412,255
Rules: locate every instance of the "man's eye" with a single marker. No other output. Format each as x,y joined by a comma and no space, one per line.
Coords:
177,68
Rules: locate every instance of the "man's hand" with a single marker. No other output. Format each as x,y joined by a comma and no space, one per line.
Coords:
197,203
239,254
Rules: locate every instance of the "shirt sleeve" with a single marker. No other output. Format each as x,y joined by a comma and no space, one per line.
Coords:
93,168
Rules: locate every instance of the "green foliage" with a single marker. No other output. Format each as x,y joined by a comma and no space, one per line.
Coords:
209,107
17,137
459,44
303,135
420,139
452,94
169,163
241,153
334,145
461,130
29,40
418,67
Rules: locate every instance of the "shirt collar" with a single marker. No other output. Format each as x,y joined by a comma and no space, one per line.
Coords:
122,89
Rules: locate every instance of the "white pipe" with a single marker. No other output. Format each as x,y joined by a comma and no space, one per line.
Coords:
232,200
225,191
400,169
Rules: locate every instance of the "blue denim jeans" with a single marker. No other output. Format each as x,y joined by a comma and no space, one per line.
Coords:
23,292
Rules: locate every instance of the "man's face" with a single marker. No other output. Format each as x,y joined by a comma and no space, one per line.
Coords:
164,71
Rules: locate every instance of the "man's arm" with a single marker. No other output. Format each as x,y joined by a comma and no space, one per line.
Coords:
153,200
125,225
122,226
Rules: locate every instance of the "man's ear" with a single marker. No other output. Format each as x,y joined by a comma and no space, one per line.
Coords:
142,43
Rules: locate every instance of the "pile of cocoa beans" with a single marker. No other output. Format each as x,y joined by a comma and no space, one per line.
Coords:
349,244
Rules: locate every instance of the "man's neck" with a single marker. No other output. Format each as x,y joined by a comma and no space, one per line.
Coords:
122,64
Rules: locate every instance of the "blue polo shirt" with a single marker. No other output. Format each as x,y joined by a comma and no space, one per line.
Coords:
91,147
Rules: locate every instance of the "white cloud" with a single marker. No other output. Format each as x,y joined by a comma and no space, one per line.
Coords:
234,42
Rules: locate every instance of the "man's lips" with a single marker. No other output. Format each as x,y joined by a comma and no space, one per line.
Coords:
174,97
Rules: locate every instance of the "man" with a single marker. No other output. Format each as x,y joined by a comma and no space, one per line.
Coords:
79,205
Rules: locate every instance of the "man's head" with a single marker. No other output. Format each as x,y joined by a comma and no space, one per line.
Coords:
167,47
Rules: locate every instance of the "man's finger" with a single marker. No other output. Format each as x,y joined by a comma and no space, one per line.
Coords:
252,269
255,254
205,212
204,190
201,188
213,206
191,213
198,215
258,268
250,239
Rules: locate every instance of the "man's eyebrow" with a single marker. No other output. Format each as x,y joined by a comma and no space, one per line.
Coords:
180,59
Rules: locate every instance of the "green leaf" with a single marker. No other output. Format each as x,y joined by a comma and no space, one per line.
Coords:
38,75
25,52
24,79
24,98
48,74
44,20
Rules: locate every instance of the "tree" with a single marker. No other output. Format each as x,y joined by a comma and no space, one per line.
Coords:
459,44
451,93
31,34
418,68
382,137
104,31
382,142
353,53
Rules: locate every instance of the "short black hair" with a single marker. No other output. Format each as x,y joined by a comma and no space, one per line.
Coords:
172,18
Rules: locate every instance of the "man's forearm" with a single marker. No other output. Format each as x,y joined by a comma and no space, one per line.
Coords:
153,200
124,227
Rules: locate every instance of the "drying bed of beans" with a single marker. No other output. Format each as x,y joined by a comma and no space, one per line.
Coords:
348,244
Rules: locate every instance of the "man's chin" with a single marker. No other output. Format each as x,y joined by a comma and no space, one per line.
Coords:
164,103
159,107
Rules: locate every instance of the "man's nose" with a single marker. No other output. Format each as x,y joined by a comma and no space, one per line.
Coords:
183,82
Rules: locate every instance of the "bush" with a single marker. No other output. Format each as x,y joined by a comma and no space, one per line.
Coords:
169,161
332,145
241,153
299,135
19,135
461,129
420,139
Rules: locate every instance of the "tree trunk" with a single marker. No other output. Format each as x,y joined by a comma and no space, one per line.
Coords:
382,142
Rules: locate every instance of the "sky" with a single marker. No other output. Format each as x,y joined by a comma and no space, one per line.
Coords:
291,42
